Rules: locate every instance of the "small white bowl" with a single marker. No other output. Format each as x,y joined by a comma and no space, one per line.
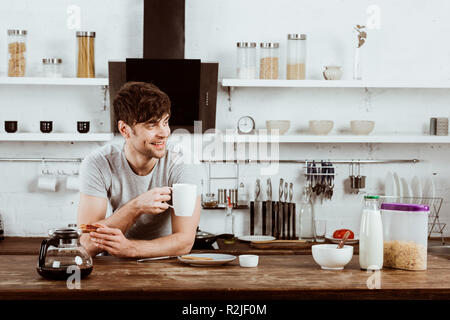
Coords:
248,260
362,127
321,127
281,125
329,257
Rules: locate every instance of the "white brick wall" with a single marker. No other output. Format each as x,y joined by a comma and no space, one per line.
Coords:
409,45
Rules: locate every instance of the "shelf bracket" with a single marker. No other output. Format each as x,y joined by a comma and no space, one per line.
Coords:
105,97
228,91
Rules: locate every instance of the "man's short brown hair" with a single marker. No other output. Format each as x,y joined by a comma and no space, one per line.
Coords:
138,102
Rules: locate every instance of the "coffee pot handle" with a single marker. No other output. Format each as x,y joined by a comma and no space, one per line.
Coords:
43,250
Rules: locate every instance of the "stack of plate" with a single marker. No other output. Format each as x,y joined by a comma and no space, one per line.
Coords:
397,187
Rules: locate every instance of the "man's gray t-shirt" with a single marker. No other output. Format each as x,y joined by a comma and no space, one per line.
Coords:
106,173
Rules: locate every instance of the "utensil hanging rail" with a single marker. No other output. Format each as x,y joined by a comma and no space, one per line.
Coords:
248,161
41,159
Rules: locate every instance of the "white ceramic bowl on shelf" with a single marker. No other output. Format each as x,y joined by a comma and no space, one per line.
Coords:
329,257
282,125
362,127
320,127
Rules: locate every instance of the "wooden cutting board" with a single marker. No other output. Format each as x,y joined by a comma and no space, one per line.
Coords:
281,244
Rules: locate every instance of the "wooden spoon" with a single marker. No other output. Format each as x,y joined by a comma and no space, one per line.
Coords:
341,243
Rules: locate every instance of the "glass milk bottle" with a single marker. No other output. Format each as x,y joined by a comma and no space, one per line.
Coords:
306,217
371,236
296,57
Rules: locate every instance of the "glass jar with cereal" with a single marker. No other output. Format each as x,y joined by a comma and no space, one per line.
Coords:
269,60
16,53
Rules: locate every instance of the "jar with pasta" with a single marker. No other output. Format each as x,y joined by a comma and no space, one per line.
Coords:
269,60
405,235
296,56
86,54
17,53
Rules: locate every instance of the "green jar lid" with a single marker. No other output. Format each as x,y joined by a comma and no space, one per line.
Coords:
371,197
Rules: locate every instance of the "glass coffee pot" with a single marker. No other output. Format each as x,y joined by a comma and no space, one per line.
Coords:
62,254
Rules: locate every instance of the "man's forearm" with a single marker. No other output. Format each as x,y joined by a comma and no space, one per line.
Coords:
124,217
172,245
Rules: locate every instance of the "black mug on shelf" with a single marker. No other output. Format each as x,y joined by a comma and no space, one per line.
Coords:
10,126
46,126
83,126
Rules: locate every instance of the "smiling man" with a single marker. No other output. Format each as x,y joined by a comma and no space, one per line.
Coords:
134,181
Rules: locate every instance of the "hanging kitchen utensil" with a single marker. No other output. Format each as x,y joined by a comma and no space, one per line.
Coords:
280,210
286,212
269,203
257,220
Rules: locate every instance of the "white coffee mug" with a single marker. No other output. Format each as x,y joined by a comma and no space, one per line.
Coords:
47,183
184,197
73,183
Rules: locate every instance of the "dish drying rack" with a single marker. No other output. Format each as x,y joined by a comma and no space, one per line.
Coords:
435,204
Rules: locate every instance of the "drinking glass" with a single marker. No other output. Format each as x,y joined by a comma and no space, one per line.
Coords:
320,228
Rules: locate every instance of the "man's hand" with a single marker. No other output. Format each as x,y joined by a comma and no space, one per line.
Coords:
153,201
113,241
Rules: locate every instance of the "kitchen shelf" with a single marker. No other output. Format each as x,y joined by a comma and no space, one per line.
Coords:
54,81
337,139
56,136
335,84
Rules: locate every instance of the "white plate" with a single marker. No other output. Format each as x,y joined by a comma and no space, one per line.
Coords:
348,241
256,238
416,187
217,259
390,189
428,189
398,185
407,193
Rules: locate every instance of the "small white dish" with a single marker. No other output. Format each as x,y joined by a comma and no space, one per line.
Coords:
256,238
248,260
362,127
320,127
281,125
206,259
329,257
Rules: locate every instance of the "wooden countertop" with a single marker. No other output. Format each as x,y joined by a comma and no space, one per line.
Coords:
30,245
277,277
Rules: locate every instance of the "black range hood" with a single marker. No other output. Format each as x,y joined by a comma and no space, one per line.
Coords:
190,84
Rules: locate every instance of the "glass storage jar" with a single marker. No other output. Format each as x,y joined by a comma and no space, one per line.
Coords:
52,67
246,60
17,53
296,57
269,60
405,235
86,54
